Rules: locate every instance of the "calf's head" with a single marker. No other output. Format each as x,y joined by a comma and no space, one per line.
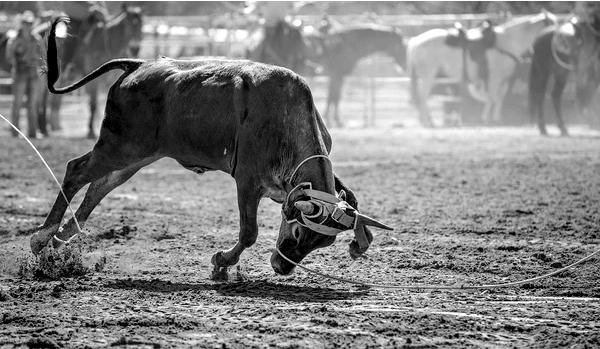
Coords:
312,219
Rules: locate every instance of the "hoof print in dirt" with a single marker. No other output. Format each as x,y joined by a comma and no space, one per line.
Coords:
125,232
4,296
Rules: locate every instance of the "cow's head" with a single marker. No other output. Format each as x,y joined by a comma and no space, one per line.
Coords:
312,219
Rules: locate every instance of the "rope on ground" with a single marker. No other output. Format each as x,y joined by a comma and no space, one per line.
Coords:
439,287
360,283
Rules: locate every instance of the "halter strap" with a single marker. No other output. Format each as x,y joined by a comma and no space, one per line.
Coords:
331,210
305,161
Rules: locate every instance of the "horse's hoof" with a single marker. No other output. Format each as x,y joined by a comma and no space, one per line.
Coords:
40,239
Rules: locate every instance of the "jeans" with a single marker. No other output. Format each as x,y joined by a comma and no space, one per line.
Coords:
26,83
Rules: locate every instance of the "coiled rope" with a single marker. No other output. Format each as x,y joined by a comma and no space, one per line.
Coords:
557,59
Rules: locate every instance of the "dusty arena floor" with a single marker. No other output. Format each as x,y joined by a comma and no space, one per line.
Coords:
470,206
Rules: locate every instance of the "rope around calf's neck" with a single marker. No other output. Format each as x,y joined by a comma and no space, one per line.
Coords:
439,287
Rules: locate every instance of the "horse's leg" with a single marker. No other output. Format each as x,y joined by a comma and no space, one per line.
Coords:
41,103
487,110
335,91
538,81
328,105
92,90
498,98
560,81
424,90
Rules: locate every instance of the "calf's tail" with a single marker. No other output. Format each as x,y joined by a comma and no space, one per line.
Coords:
53,73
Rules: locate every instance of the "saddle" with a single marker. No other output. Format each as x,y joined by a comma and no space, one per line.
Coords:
475,43
567,38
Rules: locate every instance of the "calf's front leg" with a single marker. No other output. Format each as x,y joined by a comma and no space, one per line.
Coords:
248,198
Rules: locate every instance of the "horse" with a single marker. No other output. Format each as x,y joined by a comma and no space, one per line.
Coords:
282,45
338,52
121,36
573,48
5,64
429,56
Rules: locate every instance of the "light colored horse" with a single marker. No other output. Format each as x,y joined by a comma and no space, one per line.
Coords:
429,56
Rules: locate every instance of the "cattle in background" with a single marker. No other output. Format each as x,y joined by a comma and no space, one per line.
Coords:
573,48
256,122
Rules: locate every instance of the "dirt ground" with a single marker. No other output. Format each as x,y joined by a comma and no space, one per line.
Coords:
469,206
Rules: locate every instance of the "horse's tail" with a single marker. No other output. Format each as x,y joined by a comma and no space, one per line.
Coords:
53,70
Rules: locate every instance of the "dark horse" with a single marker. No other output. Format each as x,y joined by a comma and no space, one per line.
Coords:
283,45
4,63
120,37
559,51
339,51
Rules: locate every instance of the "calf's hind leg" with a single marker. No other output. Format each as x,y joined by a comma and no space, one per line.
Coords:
102,160
248,199
95,193
72,182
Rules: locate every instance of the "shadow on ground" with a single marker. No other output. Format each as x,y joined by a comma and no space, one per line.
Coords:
252,289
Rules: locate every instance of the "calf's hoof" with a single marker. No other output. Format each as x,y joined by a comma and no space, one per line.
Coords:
219,274
221,259
40,238
355,250
65,234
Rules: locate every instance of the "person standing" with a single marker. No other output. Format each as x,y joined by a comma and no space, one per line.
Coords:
24,53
